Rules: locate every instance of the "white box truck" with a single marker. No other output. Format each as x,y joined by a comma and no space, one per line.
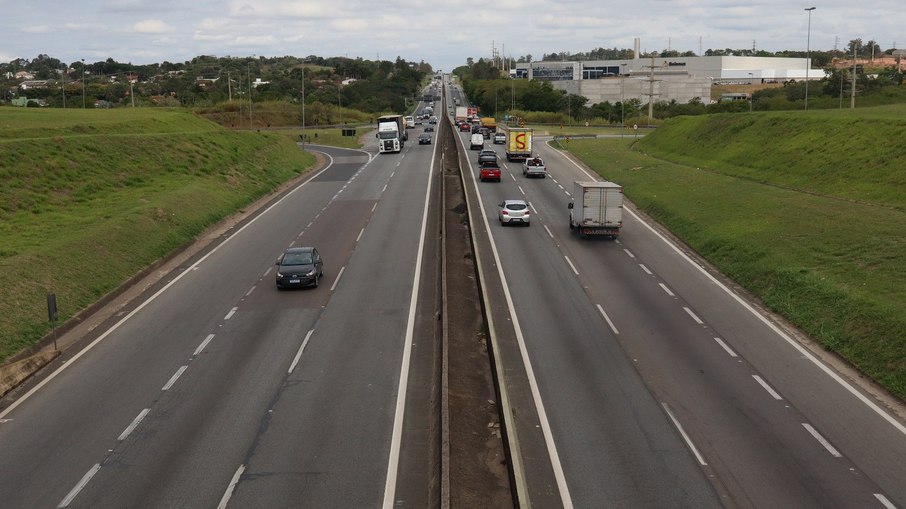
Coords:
596,209
391,133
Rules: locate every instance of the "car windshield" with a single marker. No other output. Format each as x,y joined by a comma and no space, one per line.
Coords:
297,259
387,135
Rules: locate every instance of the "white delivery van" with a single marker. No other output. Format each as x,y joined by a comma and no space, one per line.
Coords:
477,142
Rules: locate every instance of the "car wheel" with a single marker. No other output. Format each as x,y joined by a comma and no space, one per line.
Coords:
317,280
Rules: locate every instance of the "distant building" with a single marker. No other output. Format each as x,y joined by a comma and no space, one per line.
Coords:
676,78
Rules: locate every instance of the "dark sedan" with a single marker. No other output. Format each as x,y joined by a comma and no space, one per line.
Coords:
424,139
299,266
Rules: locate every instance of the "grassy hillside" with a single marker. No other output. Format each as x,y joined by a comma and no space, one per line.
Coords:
90,197
807,212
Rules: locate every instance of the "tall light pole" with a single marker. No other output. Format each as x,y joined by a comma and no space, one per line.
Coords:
248,68
303,104
63,85
622,98
808,41
750,92
83,83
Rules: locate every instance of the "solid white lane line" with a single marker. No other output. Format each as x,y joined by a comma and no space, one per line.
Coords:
230,314
158,293
646,269
628,252
393,461
359,237
135,422
78,487
576,272
726,347
664,287
767,387
770,325
203,344
299,353
232,486
548,230
607,319
693,315
884,501
174,378
337,280
823,441
679,427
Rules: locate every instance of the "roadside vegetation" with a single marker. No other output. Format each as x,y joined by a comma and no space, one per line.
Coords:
89,198
807,211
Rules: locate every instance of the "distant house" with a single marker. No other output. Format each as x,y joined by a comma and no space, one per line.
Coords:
24,75
32,84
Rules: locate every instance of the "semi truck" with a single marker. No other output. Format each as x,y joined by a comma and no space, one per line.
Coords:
461,113
519,144
596,209
391,133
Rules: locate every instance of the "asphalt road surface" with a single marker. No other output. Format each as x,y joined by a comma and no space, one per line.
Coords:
657,386
216,389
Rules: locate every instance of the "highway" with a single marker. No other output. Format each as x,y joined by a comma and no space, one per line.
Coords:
656,384
217,390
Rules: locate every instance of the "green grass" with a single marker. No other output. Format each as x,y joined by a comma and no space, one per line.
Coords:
792,235
90,198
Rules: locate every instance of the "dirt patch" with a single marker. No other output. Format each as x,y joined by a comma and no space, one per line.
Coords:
478,471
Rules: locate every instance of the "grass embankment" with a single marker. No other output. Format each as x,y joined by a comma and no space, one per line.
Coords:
807,211
88,198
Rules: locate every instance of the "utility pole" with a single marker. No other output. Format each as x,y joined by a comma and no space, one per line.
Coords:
852,98
622,99
249,69
63,85
651,93
83,83
808,62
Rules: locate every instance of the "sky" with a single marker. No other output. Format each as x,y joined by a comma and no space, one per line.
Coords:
441,34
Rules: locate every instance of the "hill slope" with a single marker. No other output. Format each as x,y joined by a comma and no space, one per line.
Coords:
89,198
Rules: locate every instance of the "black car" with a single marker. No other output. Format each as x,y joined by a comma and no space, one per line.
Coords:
424,139
299,266
487,156
429,128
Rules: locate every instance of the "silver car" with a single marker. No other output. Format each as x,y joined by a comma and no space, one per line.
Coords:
513,212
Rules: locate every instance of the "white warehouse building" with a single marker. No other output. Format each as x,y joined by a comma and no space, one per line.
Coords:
676,78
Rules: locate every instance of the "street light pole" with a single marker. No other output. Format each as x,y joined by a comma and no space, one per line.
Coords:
808,40
248,68
622,98
83,83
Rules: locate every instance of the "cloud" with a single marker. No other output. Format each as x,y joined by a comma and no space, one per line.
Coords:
36,29
152,26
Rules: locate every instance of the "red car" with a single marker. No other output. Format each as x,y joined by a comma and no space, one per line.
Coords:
489,171
465,126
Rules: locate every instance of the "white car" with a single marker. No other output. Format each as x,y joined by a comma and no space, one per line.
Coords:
513,212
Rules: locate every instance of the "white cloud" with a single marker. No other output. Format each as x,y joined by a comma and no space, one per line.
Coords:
152,26
36,29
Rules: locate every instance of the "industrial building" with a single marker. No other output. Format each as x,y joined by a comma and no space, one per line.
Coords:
676,78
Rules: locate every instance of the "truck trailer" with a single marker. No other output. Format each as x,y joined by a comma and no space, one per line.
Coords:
391,133
519,144
596,209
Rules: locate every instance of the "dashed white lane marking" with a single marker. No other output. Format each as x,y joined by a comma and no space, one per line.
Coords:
548,230
767,387
664,287
359,237
726,347
521,190
252,289
646,269
679,427
374,206
174,378
230,314
80,485
384,188
571,265
135,422
203,344
299,353
884,501
823,441
232,486
693,315
337,280
629,253
608,320
268,271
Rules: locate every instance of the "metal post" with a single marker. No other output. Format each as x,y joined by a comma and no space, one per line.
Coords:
248,68
63,86
852,99
808,62
622,99
83,83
